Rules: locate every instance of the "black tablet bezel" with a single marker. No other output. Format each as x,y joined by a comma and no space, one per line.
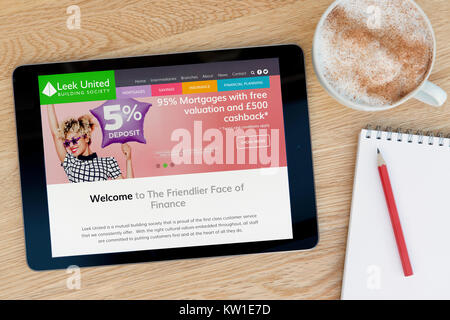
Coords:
298,150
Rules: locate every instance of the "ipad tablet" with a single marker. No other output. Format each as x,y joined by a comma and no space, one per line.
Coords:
165,157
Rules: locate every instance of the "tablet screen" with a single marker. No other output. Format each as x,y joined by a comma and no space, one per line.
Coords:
165,157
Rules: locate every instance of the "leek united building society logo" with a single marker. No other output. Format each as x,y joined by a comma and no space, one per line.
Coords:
49,90
77,87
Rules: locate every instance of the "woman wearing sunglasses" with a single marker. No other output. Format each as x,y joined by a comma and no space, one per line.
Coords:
72,139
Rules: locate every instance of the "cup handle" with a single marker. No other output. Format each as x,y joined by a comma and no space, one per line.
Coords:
431,94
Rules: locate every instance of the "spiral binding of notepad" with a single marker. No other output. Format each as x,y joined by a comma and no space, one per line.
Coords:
399,134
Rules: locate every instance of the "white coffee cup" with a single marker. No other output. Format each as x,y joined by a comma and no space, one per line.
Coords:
426,92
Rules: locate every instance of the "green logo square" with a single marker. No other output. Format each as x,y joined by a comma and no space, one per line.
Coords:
77,87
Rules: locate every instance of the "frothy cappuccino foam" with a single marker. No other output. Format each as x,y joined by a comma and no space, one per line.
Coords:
375,52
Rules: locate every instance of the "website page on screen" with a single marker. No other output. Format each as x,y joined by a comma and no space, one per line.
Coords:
165,157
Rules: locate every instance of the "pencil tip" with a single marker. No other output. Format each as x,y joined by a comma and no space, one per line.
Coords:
378,150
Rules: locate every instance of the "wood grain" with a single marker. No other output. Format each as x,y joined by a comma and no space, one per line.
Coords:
35,31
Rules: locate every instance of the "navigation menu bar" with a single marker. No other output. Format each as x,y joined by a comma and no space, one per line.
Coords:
197,72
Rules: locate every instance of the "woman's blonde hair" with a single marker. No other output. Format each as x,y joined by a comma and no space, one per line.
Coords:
83,125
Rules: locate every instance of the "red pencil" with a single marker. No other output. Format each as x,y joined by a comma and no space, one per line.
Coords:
393,213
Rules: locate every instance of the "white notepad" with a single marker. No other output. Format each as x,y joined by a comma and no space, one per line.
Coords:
419,169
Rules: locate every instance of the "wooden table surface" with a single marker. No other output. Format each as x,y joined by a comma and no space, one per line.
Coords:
35,31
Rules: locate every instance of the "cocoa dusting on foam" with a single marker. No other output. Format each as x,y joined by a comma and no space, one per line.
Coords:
375,55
